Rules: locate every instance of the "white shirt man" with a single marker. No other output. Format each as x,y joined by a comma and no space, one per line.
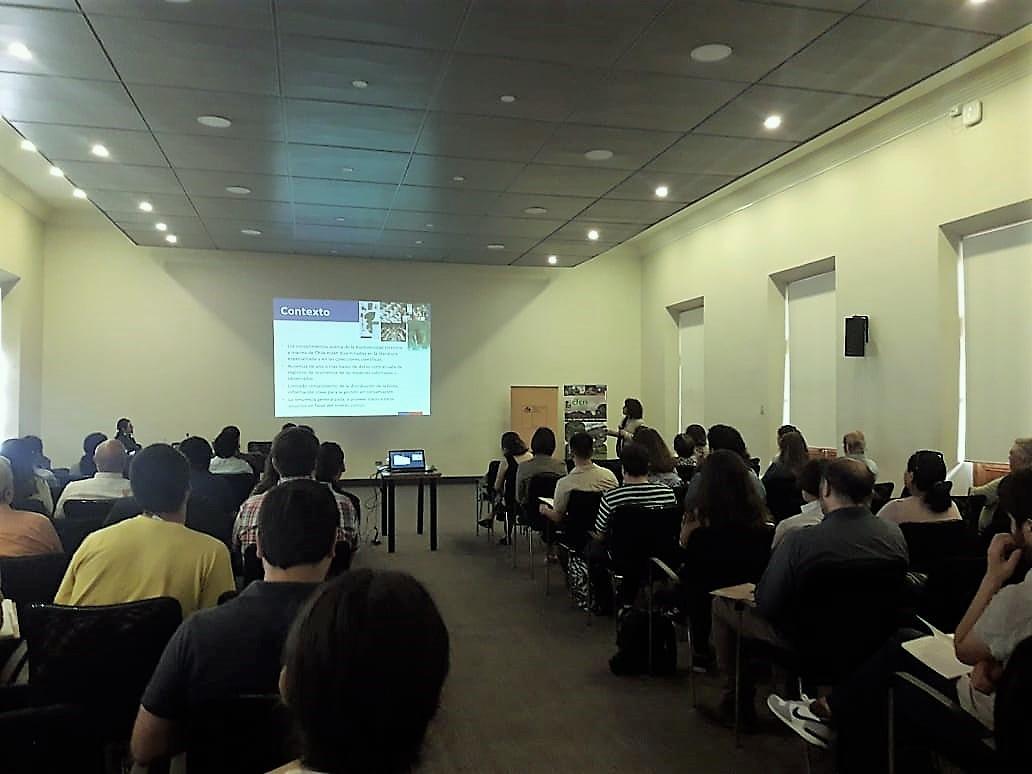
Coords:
107,484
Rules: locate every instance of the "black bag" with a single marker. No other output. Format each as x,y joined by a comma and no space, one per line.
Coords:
632,642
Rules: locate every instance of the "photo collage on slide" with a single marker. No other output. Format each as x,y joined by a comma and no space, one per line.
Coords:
395,321
584,411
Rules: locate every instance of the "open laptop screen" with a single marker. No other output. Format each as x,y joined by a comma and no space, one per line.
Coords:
406,460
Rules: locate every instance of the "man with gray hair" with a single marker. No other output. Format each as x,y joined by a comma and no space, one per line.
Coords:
22,533
109,482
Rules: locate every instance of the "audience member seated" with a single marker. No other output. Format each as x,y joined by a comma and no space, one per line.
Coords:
848,533
204,483
22,533
31,493
636,491
270,477
724,437
227,447
726,541
153,554
108,483
782,432
40,461
811,513
353,715
294,452
514,453
202,664
542,447
585,476
929,498
633,414
854,444
1019,458
124,435
781,481
86,466
330,465
661,461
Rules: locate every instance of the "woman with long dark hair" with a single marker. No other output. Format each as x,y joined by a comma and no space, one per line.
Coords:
633,418
514,451
227,446
661,461
929,498
781,481
31,492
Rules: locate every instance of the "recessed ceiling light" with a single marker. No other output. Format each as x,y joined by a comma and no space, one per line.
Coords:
419,241
535,210
458,179
214,122
28,145
662,191
161,226
507,98
171,238
100,151
341,220
360,84
240,190
428,225
496,246
56,171
593,234
19,50
711,52
78,193
146,206
977,2
599,154
347,170
553,259
772,122
250,232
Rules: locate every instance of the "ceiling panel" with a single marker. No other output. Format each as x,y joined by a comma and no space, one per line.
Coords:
75,143
442,240
744,26
243,209
577,181
221,229
260,244
333,215
482,257
474,173
149,238
344,234
315,191
804,113
73,101
536,228
458,201
403,22
568,250
66,5
485,137
104,175
175,110
998,18
609,233
165,205
846,6
682,188
347,163
351,125
886,56
406,220
653,101
61,44
254,14
176,223
167,54
315,68
539,257
631,148
625,211
712,155
205,182
215,153
514,204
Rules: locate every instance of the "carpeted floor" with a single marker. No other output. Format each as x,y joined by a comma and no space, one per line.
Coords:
530,688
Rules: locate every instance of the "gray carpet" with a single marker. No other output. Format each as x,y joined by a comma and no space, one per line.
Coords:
530,688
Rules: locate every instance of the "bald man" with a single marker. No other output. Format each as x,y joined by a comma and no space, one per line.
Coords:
109,482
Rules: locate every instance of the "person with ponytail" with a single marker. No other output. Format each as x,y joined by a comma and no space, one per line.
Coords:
929,492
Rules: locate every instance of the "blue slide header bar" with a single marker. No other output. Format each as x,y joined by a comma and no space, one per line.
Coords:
314,310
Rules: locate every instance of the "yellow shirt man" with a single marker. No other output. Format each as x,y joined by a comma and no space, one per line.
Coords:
147,557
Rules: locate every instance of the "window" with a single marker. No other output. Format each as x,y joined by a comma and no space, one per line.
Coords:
812,342
995,285
691,352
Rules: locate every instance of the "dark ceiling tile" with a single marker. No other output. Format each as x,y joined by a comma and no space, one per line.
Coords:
43,99
402,22
231,155
712,155
174,110
105,175
347,163
61,44
485,137
575,181
460,202
165,205
681,188
58,141
243,209
557,207
329,215
254,14
203,182
631,148
351,125
625,211
441,171
342,193
998,18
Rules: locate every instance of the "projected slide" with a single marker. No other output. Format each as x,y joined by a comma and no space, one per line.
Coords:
351,358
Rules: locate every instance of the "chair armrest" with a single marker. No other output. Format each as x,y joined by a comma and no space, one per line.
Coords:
665,569
907,681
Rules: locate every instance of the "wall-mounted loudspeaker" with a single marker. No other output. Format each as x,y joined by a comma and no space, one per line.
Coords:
857,335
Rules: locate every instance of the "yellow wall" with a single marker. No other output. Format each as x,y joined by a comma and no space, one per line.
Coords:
879,215
181,342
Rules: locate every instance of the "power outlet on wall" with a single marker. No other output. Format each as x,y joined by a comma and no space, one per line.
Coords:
972,113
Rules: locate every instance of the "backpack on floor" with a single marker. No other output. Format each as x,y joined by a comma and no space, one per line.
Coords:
632,643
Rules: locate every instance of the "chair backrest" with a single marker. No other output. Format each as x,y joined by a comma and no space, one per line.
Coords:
930,543
249,734
210,517
539,485
29,580
843,613
615,466
1013,707
784,498
100,656
970,507
882,494
579,519
32,505
638,533
87,509
952,583
491,476
240,484
72,532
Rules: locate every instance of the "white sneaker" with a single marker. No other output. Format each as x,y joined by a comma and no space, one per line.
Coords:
797,716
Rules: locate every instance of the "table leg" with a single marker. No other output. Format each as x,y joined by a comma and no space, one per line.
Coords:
419,509
383,507
433,514
390,517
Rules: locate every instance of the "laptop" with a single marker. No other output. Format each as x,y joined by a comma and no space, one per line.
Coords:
406,461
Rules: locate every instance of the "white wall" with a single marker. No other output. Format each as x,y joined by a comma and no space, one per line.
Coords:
879,214
181,342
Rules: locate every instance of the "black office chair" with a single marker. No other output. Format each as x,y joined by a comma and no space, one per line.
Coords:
29,580
882,494
571,534
252,565
529,519
249,734
614,465
931,543
87,509
970,507
32,505
950,586
486,497
204,514
72,532
240,484
636,535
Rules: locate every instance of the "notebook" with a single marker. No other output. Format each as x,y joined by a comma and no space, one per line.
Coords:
936,652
